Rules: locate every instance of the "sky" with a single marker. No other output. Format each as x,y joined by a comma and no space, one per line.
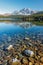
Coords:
8,6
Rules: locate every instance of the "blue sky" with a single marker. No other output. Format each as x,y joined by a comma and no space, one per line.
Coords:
7,6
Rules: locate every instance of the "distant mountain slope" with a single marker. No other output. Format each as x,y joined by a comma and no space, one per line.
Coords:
39,13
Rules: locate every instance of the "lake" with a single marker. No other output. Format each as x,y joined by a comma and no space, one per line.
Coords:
13,31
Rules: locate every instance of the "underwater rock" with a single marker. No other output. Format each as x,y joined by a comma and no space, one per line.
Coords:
28,53
10,47
1,63
41,59
41,63
25,61
36,64
16,62
30,63
31,60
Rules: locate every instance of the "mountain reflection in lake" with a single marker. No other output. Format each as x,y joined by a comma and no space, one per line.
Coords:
11,32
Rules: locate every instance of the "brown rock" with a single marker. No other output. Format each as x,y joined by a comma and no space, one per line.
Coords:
36,64
40,53
36,57
41,59
31,60
16,63
25,61
41,63
30,63
37,61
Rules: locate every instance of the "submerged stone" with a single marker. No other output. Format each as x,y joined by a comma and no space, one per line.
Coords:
16,62
10,47
28,53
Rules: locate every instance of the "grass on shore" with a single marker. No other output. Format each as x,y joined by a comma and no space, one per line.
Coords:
38,22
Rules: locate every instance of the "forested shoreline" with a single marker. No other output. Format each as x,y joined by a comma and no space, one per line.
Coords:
34,18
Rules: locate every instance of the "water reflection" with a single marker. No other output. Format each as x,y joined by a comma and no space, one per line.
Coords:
13,32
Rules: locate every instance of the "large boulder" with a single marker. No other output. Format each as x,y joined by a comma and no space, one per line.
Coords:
28,53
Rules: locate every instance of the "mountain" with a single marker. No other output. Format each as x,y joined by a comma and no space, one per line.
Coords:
27,11
24,11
